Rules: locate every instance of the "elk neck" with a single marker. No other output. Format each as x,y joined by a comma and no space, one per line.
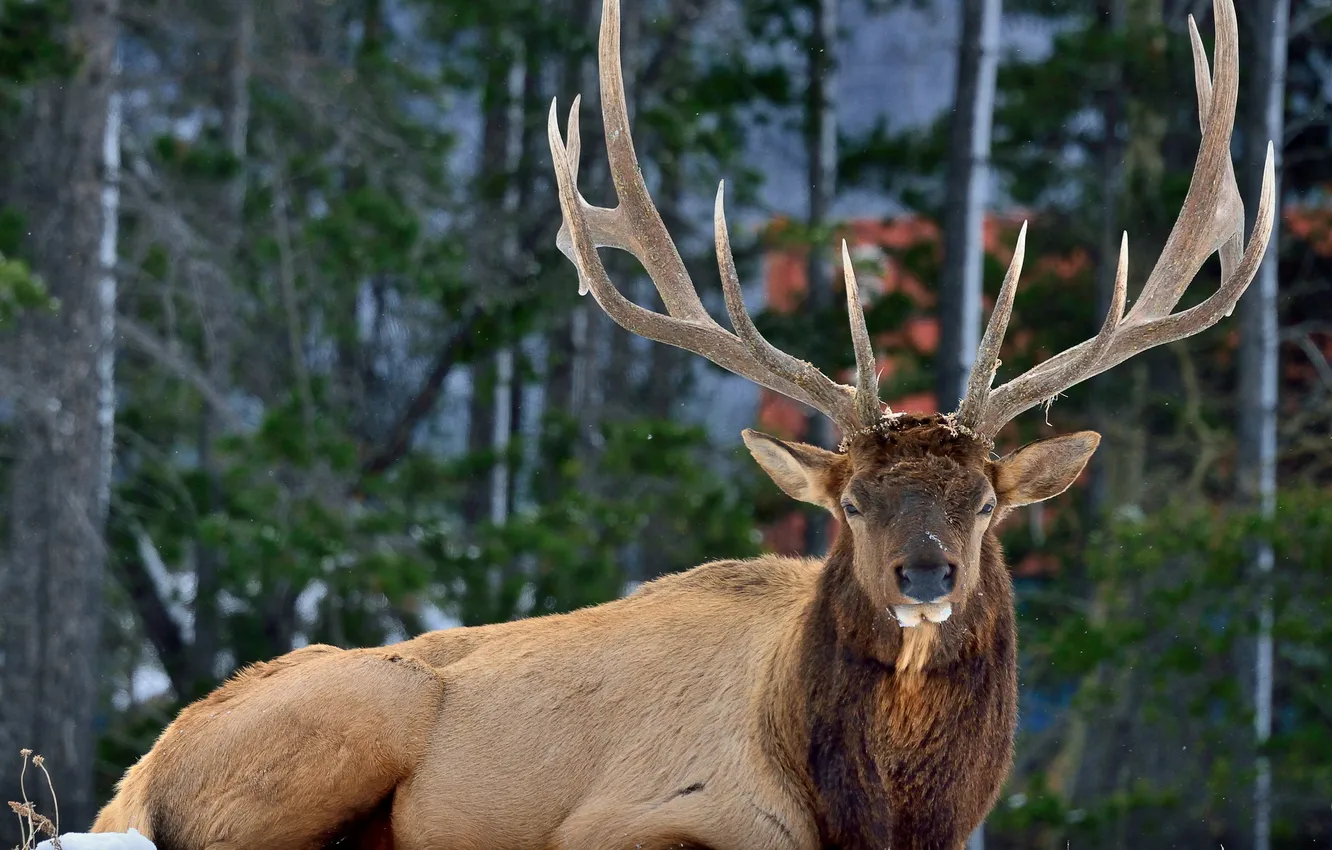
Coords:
871,723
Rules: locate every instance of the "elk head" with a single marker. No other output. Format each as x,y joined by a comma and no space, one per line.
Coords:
917,494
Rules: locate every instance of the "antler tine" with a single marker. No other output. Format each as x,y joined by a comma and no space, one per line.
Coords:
831,398
603,224
1212,211
1113,316
1041,382
868,406
638,215
972,408
1202,74
1211,221
1202,81
635,225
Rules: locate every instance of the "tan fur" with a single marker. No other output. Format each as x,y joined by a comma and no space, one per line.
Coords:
768,703
286,750
917,648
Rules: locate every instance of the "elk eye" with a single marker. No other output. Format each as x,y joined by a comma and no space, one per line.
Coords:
850,509
987,508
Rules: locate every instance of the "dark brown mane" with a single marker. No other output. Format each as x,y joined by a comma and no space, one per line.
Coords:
879,735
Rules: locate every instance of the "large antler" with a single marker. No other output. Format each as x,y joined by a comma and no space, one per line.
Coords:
636,226
1211,221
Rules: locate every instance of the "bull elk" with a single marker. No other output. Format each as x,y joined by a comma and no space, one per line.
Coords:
865,700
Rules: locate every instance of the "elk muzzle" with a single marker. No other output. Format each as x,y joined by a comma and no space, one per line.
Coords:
926,578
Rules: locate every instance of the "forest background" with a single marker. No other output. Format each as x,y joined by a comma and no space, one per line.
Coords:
288,354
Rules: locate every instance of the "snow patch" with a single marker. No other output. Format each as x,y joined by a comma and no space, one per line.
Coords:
132,840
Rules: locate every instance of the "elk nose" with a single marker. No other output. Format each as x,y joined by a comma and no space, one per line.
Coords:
926,579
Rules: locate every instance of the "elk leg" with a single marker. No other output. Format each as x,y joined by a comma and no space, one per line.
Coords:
285,755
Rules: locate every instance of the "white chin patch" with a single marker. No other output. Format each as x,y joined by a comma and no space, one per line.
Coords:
910,616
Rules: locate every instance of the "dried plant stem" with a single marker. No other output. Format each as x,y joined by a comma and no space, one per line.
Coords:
31,822
55,802
27,830
23,773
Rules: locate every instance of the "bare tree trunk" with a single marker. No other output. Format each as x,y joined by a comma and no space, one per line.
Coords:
52,577
476,504
1114,14
523,466
501,474
964,212
236,126
821,144
1256,461
488,418
965,199
567,357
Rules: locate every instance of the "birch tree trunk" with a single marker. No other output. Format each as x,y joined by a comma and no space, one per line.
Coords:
964,212
1256,462
51,579
965,199
821,144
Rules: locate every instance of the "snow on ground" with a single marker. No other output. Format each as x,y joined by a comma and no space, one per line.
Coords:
131,840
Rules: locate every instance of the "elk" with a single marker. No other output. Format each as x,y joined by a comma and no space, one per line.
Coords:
865,700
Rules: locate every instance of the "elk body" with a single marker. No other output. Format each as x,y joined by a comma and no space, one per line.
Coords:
864,701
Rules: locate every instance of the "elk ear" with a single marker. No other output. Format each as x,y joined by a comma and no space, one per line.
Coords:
805,472
1043,469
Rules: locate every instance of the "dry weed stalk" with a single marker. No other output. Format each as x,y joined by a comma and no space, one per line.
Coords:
31,822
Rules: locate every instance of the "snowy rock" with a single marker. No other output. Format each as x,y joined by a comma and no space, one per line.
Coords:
132,840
